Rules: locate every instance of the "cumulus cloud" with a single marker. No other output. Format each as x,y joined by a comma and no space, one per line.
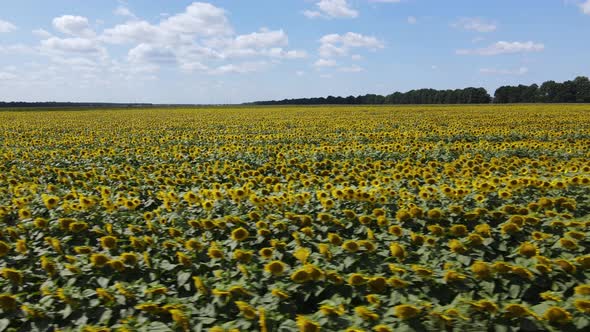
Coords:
73,25
133,32
6,26
495,71
16,49
504,47
199,34
351,69
199,19
325,63
475,24
148,53
4,76
240,68
72,45
332,9
41,33
585,7
340,45
125,12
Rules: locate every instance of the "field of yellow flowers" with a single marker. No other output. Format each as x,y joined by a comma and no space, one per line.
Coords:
469,218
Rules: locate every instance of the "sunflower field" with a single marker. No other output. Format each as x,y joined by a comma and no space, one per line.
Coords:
430,218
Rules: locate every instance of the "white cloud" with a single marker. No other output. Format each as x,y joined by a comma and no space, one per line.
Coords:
412,20
54,45
263,39
585,7
312,14
41,33
356,57
199,19
241,68
475,24
504,47
73,25
278,52
332,9
193,66
494,71
6,26
16,49
351,69
125,12
133,32
325,63
339,45
4,76
299,73
148,53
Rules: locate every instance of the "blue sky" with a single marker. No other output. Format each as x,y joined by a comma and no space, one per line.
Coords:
232,51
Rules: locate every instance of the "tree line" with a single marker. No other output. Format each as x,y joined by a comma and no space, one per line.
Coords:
576,91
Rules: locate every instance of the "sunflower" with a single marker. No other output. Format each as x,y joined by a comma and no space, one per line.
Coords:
246,310
8,302
382,328
566,265
406,311
78,227
582,306
350,246
108,242
528,249
50,201
276,268
377,284
214,252
365,313
279,293
99,260
484,306
397,251
329,310
240,234
481,269
4,248
356,279
582,289
14,275
183,259
557,315
456,246
517,310
302,254
306,325
458,230
569,244
453,276
300,276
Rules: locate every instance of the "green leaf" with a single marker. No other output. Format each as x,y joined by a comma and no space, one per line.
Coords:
4,322
67,311
183,277
582,323
514,291
158,327
103,282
